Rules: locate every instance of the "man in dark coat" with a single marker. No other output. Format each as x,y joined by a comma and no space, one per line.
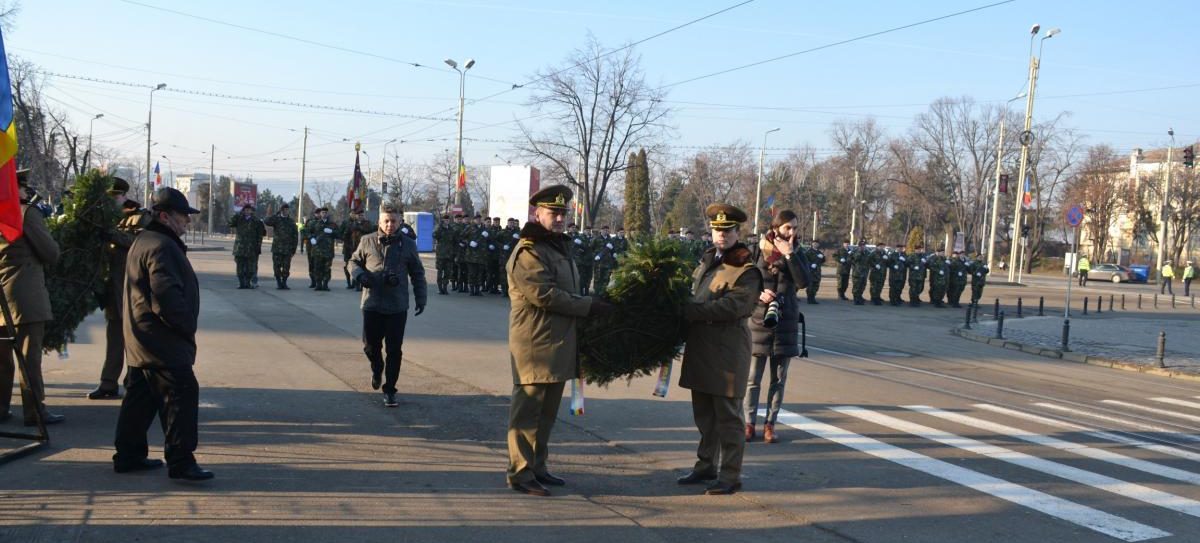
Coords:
160,313
133,221
716,360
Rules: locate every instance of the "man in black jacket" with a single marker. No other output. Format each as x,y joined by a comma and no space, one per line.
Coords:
160,314
385,262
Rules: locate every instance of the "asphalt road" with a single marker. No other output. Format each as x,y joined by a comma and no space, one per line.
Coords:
893,431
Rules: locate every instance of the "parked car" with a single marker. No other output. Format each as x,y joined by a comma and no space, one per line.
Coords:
1111,272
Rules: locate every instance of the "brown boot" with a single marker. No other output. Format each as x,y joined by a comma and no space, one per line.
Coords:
749,433
769,434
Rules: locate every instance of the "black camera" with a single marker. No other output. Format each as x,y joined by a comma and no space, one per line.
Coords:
392,279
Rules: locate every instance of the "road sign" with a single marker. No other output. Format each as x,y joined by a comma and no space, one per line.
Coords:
1075,216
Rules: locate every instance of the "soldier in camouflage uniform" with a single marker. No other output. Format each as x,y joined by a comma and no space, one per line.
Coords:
918,268
897,273
880,260
604,257
443,247
816,260
460,252
938,271
350,233
247,245
581,252
321,234
958,278
475,255
860,266
494,247
979,272
507,239
843,259
283,246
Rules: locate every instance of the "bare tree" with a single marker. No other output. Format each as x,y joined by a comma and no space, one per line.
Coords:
1098,186
1053,156
328,192
597,108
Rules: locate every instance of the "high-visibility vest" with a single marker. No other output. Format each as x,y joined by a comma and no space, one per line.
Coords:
1168,272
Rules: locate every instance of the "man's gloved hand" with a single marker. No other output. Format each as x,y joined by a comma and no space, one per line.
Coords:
600,307
392,279
328,230
312,241
420,309
367,280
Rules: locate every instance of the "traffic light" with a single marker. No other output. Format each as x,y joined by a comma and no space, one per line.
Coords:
1025,230
1189,157
1003,183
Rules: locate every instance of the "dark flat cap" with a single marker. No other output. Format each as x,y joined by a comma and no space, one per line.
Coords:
320,209
119,186
247,206
23,177
169,199
723,216
553,197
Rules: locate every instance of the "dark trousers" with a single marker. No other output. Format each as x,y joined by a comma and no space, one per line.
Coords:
843,281
380,327
585,280
1187,286
895,288
445,271
1083,278
174,395
247,269
722,436
813,287
281,265
114,355
915,287
531,417
859,286
778,381
33,389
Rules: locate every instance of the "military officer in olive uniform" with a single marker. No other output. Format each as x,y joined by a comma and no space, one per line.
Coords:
897,273
860,260
918,268
443,248
938,270
542,338
283,246
978,269
716,360
475,255
844,258
321,233
877,274
351,232
247,245
957,273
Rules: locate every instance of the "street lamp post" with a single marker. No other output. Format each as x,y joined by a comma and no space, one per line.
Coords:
149,127
91,125
171,169
383,172
854,210
1164,210
991,240
1026,141
367,184
762,152
460,193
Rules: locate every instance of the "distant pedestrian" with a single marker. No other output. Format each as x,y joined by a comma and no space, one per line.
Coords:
1166,275
1084,267
1189,273
161,309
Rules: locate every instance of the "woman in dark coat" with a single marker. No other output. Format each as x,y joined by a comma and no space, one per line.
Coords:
785,272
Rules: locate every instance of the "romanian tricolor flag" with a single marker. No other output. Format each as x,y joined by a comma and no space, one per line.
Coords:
358,186
1027,195
462,175
11,221
157,176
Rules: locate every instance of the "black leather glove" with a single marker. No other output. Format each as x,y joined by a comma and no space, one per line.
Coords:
393,279
367,280
420,309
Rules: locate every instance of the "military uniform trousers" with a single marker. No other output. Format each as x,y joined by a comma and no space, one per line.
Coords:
322,269
114,354
955,289
937,290
876,287
531,418
860,285
174,396
722,436
247,269
312,270
585,279
445,270
915,287
502,278
33,389
843,281
976,292
602,275
462,272
493,273
895,288
476,273
281,264
813,287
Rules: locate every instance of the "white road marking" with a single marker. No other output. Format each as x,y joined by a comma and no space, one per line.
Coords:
1173,401
1134,423
1111,525
1099,434
1156,410
1062,445
1095,480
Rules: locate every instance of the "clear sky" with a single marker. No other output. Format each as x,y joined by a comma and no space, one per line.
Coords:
1105,47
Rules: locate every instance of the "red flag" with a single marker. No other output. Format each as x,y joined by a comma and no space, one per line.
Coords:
11,221
358,185
462,175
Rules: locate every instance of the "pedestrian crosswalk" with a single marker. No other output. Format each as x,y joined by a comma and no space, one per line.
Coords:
1132,452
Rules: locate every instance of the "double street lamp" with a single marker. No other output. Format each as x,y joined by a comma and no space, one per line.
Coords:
149,127
991,240
91,127
460,191
762,151
1026,141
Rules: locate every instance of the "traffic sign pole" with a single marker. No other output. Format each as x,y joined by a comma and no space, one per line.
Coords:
1074,219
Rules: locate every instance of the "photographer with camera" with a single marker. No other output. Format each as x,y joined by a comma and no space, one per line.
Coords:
384,263
774,326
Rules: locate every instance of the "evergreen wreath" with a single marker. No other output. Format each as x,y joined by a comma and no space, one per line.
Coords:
649,288
76,282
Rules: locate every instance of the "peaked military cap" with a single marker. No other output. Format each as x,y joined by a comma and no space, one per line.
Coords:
724,216
119,186
320,209
552,197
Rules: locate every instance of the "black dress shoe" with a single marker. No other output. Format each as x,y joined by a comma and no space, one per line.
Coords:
376,380
533,488
723,489
693,478
191,473
389,399
102,393
139,465
550,480
48,419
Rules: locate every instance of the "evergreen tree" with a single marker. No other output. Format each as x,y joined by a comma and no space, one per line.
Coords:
916,237
637,195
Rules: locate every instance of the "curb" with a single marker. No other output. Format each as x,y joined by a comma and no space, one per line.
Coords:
1069,356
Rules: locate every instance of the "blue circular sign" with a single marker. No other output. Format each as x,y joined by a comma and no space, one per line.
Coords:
1075,216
